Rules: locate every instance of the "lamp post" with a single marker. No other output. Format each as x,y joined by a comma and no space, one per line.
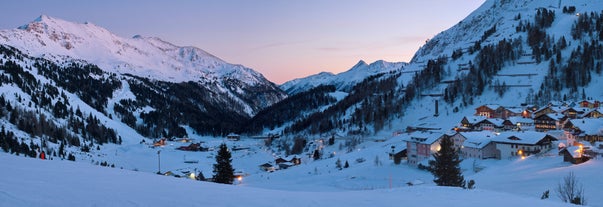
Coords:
159,161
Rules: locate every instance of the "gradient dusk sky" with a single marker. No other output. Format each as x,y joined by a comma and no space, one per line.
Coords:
282,39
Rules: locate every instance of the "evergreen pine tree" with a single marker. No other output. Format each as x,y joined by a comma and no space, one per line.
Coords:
332,140
446,168
62,150
224,173
316,155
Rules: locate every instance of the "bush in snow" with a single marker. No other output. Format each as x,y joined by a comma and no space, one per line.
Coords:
545,195
570,190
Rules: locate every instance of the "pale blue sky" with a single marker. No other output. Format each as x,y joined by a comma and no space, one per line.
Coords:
282,39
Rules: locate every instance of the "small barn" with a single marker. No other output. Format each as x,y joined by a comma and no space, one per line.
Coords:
233,137
293,161
267,167
398,156
574,154
190,147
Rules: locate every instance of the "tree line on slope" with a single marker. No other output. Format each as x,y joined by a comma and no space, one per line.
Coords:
177,104
290,109
370,102
46,97
576,71
10,143
173,104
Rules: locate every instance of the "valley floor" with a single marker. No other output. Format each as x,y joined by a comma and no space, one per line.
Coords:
34,182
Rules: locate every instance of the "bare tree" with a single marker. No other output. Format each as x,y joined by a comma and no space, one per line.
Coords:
570,190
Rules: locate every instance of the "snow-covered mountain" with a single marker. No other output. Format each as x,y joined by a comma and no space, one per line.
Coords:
505,15
60,40
513,52
509,52
147,57
343,81
144,81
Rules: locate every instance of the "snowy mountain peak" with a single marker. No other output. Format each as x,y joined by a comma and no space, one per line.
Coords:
359,65
56,27
41,19
344,80
150,57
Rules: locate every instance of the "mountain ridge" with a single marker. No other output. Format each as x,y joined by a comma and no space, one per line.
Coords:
142,56
171,88
343,81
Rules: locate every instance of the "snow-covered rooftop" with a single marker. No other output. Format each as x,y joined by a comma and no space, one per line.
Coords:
589,126
522,137
495,121
493,106
518,119
477,139
587,112
516,110
475,119
575,151
421,137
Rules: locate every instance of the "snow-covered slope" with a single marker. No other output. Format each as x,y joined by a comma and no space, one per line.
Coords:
60,40
342,81
503,15
525,75
28,182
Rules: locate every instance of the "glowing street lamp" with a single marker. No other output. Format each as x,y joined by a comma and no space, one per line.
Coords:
240,179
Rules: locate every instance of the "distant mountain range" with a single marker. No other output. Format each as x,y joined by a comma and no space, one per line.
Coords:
508,52
343,81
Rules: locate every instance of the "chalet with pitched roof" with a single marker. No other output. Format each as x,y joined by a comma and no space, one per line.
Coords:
525,143
543,111
590,104
548,122
518,123
592,113
493,124
570,113
477,144
508,112
588,129
468,123
489,111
